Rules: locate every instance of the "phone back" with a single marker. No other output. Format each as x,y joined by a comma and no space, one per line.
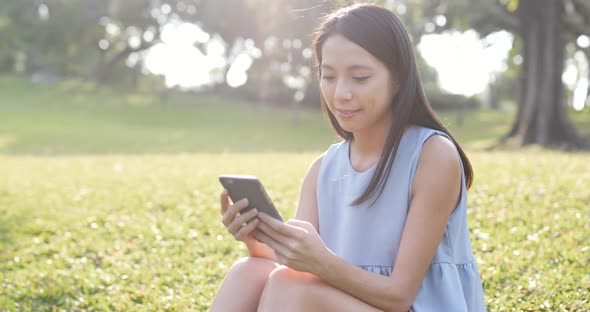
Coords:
239,187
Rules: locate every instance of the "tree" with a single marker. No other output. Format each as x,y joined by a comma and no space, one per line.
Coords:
544,27
541,116
135,27
70,37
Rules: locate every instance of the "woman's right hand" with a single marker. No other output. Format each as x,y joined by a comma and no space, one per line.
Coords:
239,225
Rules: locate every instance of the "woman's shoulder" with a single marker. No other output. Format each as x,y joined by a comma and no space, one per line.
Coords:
335,149
419,131
316,164
425,143
336,146
422,135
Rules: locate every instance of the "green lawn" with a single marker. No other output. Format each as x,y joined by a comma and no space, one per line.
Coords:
110,201
67,119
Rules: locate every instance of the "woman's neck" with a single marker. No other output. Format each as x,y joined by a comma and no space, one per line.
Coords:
367,145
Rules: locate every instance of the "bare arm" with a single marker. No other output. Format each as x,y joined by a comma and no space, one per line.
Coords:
308,204
431,205
307,210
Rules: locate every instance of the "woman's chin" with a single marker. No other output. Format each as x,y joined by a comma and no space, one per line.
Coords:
348,127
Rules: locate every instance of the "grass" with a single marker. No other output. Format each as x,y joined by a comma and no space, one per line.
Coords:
122,232
102,208
75,118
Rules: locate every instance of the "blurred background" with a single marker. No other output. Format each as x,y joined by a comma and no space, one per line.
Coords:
117,116
179,63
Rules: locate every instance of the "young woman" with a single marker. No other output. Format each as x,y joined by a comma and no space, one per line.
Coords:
381,222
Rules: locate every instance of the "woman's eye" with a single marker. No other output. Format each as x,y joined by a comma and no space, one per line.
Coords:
327,77
361,78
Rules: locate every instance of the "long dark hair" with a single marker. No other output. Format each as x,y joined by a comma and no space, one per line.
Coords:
382,34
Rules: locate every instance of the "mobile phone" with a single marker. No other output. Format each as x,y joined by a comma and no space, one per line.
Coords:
247,186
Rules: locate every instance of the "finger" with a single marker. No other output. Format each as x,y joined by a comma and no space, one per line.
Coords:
300,224
224,201
270,232
233,209
245,230
278,226
271,242
239,221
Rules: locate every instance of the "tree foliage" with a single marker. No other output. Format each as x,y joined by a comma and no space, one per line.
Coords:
106,41
543,28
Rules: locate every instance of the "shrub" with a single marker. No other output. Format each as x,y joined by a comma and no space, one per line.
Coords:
442,101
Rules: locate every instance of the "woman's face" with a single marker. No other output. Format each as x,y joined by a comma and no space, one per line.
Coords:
356,86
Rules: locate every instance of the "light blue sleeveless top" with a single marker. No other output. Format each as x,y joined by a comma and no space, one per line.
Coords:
369,237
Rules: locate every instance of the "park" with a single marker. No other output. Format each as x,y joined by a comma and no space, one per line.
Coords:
109,160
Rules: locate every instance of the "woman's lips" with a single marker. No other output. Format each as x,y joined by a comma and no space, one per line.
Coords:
346,113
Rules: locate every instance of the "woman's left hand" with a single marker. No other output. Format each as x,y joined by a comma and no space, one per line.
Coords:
296,243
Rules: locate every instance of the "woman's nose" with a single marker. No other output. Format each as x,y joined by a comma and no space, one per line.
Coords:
342,91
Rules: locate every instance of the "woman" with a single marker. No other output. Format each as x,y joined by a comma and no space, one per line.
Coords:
381,222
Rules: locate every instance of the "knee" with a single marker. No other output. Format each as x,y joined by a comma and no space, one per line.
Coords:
243,285
251,266
283,277
285,288
253,262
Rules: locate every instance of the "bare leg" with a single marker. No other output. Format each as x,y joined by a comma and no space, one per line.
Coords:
243,285
290,290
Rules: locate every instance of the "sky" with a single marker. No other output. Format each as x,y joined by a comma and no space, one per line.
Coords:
463,61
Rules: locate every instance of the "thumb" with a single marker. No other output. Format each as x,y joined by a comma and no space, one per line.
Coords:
301,223
224,201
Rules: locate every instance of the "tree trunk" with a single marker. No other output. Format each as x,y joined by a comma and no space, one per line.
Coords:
587,54
265,90
103,72
542,116
493,96
7,63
